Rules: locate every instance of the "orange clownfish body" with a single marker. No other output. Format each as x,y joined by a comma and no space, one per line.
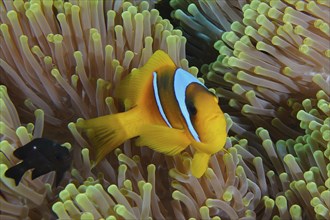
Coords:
169,110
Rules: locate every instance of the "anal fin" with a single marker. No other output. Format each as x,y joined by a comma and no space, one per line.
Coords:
163,139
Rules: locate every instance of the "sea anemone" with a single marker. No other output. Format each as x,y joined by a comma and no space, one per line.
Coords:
204,22
61,61
133,196
30,199
67,57
263,179
277,56
255,179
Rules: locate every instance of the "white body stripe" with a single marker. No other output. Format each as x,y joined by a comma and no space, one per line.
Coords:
159,104
182,79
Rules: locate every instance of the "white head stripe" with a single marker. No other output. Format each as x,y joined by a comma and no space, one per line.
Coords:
160,107
182,79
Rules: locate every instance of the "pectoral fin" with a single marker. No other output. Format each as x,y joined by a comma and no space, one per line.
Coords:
163,139
199,163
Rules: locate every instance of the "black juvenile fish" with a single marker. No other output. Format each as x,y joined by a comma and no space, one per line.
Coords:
43,156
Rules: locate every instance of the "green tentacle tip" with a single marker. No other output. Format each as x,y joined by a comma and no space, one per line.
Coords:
276,217
85,152
109,100
128,184
250,31
64,195
281,202
122,168
4,28
205,212
151,168
58,38
327,183
228,158
250,94
112,189
81,198
210,202
147,187
23,133
261,19
236,26
321,210
177,195
72,126
257,161
71,188
227,196
55,73
12,14
2,127
250,14
141,184
240,171
121,210
304,48
295,211
269,203
39,113
318,78
326,135
59,209
309,176
303,116
21,130
300,185
87,216
3,89
3,168
327,53
192,9
263,8
325,195
312,188
264,134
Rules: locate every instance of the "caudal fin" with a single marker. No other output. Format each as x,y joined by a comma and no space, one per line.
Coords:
108,132
16,172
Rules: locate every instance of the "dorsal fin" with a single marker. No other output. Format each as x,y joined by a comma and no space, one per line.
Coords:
135,85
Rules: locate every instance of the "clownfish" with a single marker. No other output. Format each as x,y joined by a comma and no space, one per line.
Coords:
169,110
